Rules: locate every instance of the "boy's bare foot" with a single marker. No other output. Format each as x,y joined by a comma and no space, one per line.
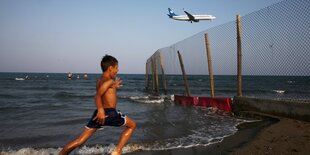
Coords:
115,153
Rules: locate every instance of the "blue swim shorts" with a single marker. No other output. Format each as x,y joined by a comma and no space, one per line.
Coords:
113,118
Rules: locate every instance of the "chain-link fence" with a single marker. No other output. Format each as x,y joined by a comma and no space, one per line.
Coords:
275,57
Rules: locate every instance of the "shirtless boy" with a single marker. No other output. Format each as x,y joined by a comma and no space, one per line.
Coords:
106,114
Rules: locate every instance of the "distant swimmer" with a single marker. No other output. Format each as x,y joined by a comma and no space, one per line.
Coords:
106,113
69,75
85,76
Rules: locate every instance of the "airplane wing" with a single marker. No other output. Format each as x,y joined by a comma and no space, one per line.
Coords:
191,17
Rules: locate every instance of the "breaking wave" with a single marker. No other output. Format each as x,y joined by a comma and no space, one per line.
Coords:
146,99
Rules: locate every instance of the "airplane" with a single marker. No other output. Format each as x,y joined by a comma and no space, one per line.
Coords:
189,17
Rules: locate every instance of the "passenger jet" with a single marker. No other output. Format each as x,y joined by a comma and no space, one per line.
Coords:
189,17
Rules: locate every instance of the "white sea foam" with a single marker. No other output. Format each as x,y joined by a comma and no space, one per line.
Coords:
20,79
32,151
152,101
279,91
138,97
197,138
97,149
147,99
172,97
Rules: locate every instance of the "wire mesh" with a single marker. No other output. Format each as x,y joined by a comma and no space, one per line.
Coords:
275,56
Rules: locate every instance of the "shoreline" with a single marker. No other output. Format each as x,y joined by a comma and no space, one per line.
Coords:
271,135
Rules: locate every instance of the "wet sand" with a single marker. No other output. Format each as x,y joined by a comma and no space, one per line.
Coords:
272,135
288,136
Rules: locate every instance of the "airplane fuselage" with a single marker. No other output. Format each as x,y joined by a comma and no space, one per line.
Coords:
189,17
197,17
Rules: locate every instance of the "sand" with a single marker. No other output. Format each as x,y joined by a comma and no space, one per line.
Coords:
285,137
272,135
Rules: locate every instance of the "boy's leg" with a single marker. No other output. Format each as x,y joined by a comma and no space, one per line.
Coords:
130,127
78,141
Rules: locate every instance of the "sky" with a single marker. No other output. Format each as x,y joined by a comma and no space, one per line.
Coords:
60,36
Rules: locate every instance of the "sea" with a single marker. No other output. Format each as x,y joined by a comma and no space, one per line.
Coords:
41,112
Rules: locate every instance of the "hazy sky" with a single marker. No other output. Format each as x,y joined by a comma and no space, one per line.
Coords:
73,35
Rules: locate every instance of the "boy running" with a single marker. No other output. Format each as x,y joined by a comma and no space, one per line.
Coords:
106,113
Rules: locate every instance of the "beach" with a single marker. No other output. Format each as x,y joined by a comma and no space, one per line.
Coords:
272,135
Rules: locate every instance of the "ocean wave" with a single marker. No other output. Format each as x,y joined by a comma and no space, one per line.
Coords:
145,99
32,151
66,95
279,91
138,97
8,108
67,122
291,82
9,96
19,79
202,136
167,144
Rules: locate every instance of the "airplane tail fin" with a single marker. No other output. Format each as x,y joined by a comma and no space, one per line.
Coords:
171,13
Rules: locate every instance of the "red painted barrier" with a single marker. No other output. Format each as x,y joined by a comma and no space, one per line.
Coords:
186,100
221,103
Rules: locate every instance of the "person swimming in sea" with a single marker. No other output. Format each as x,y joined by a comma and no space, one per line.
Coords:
69,75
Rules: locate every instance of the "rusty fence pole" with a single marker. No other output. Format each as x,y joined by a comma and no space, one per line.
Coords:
156,75
239,58
209,64
153,72
146,76
188,93
163,72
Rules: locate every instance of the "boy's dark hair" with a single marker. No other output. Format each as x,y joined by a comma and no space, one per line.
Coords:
107,61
